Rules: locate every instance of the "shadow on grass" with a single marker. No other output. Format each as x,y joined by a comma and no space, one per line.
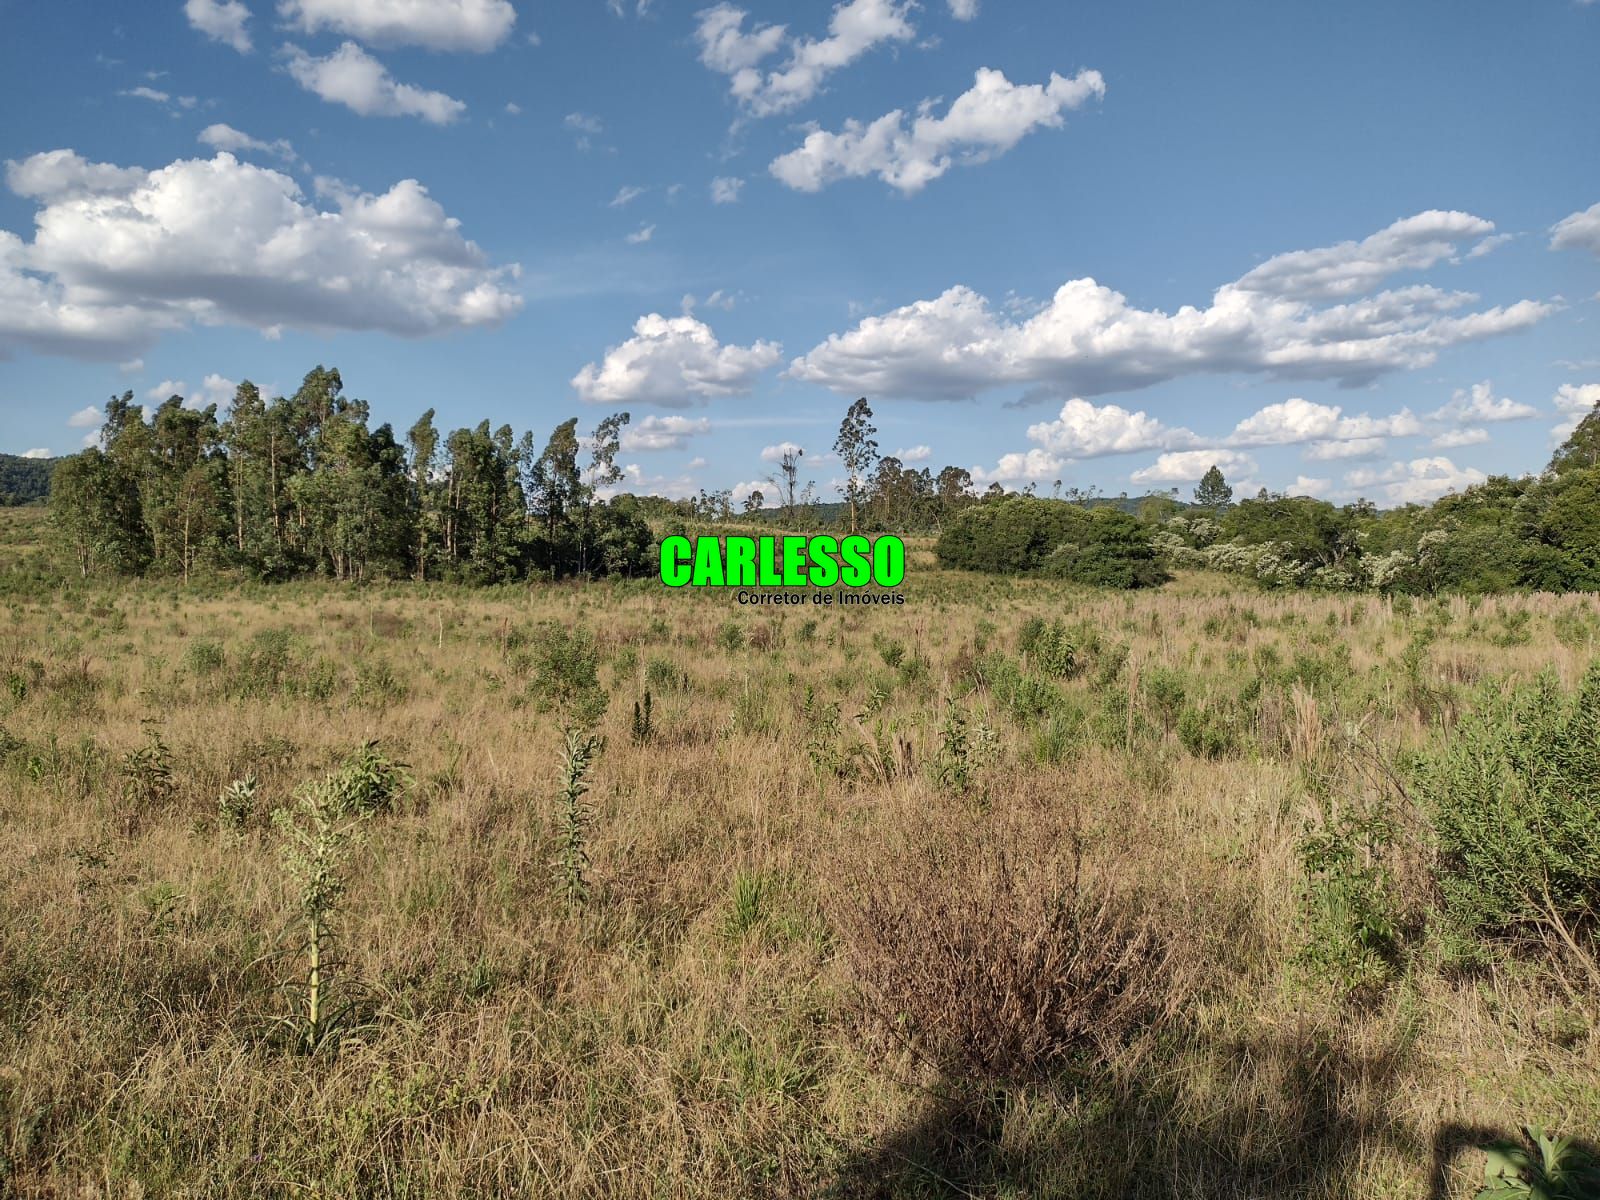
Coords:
1295,1116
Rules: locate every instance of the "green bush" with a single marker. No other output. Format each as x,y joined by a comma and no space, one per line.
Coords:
1015,535
566,672
1348,899
1514,799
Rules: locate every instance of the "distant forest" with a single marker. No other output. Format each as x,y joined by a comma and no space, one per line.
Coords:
305,485
24,480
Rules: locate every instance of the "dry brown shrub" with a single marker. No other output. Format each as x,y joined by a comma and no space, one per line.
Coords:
997,950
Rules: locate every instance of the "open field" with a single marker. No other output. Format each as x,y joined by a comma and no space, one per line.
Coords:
776,889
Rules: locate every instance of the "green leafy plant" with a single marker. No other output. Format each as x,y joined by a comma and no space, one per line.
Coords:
1543,1168
237,803
1348,899
147,772
1514,800
572,858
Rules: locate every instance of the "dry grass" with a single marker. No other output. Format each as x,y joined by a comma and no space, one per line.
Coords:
698,1029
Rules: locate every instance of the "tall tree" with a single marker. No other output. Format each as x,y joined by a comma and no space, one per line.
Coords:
787,480
857,450
1213,490
423,439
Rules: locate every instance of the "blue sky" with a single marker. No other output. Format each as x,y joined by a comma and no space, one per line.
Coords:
1345,250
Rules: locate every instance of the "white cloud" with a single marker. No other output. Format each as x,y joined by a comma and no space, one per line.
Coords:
132,367
1023,466
986,120
725,190
1088,340
59,174
914,454
1451,439
1577,397
1184,466
1293,421
662,433
165,390
637,482
214,389
1420,481
584,123
122,254
856,27
626,196
1478,403
742,490
226,137
1580,231
1304,485
147,93
1085,430
717,299
1576,401
220,20
774,454
1355,268
673,361
1367,447
88,417
641,235
963,10
471,25
513,109
38,452
352,77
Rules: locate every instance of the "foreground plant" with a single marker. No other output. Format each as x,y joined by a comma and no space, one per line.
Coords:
1545,1168
572,860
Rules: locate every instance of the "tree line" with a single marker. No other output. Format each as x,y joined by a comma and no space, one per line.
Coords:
304,485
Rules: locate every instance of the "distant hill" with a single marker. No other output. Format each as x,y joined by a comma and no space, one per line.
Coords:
24,480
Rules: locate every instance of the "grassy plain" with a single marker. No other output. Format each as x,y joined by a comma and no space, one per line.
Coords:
712,1022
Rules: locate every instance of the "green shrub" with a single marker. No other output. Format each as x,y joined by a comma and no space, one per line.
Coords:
1348,899
1050,645
566,672
1514,798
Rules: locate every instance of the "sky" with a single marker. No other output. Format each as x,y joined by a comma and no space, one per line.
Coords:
1339,250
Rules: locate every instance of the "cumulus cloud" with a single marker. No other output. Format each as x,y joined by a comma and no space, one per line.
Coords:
1450,439
226,137
774,454
220,20
1088,340
1479,403
121,254
1420,481
1185,466
725,190
673,362
1085,430
662,433
914,454
963,10
352,77
986,120
1366,447
743,489
88,417
1580,231
37,452
641,235
1575,401
1295,420
856,27
472,25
